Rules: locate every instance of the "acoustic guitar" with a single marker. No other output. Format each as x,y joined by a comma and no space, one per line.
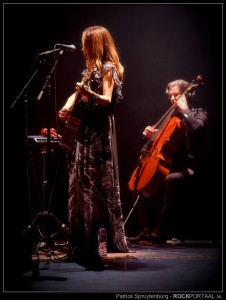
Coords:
71,130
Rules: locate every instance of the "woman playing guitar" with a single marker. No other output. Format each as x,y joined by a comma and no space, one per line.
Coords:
94,196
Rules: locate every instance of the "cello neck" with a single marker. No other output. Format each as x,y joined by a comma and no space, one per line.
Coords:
166,116
161,122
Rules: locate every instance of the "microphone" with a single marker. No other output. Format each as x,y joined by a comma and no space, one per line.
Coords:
71,48
61,47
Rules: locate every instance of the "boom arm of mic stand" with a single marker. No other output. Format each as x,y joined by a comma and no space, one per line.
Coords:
24,88
41,61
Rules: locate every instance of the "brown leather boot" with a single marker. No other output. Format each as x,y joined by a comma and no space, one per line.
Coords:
140,236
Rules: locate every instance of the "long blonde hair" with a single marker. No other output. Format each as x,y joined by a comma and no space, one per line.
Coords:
98,47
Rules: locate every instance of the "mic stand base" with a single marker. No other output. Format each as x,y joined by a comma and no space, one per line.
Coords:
50,239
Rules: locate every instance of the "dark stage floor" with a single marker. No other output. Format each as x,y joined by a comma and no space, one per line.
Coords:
190,267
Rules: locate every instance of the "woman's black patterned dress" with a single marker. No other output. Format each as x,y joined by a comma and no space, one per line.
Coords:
94,191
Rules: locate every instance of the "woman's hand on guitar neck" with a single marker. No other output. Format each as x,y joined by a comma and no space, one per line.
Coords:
84,90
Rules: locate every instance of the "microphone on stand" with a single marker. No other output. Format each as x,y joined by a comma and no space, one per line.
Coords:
70,48
60,47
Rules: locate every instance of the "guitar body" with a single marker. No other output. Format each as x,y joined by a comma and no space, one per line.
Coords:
71,130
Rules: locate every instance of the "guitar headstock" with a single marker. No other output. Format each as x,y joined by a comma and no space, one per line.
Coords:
87,77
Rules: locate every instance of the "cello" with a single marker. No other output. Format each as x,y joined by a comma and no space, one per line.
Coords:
155,159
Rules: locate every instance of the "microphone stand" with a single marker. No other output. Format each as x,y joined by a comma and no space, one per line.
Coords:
46,83
46,237
25,87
